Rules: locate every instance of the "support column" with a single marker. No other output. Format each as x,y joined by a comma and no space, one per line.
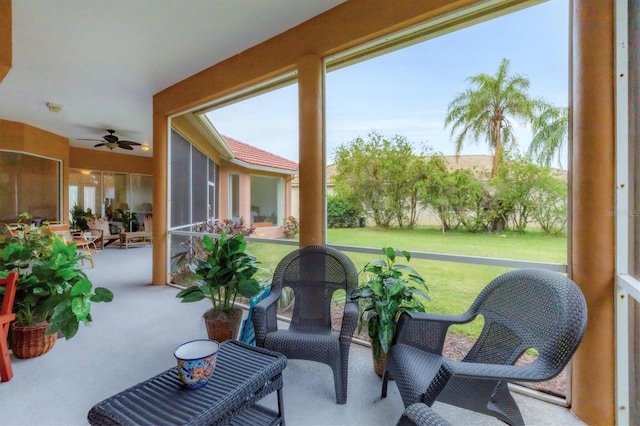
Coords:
592,259
160,199
312,156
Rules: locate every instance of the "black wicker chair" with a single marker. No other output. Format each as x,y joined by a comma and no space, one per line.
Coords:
522,309
420,414
314,273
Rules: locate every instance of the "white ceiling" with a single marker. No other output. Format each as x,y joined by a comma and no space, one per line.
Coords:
103,60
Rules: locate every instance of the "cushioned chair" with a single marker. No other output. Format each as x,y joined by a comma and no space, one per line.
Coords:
314,273
522,309
6,316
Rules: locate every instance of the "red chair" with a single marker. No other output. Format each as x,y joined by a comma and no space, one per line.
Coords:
6,316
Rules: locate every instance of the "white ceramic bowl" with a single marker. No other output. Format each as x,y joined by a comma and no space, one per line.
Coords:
196,361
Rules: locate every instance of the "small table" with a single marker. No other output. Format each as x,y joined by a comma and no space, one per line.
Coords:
244,374
139,238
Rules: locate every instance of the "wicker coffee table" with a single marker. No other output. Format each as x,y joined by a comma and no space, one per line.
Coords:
244,375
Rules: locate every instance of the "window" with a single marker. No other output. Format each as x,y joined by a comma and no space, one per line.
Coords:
29,184
234,196
193,182
266,200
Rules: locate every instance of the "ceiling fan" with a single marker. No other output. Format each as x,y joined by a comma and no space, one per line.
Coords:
111,141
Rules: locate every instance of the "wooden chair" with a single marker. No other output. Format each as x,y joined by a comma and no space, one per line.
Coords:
82,243
6,316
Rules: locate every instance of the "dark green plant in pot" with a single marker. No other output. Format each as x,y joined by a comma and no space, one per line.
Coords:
51,288
389,289
224,275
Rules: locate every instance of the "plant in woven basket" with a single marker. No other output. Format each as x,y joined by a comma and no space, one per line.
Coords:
388,290
53,293
224,274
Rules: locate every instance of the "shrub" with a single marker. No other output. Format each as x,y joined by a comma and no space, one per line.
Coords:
290,228
341,213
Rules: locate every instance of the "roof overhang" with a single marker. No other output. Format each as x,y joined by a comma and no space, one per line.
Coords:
208,130
263,168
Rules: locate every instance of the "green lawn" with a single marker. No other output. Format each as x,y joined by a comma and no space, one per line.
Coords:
452,286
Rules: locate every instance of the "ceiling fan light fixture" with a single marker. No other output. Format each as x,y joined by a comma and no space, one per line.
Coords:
111,145
145,147
54,107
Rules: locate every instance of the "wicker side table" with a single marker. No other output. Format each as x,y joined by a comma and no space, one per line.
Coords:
244,374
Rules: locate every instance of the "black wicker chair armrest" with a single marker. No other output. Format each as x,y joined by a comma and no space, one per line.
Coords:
427,331
264,317
349,320
534,372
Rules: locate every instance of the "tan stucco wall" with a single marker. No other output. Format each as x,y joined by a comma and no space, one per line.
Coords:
22,137
105,160
6,44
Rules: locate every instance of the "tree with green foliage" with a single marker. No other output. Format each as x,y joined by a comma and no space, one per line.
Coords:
549,204
512,189
457,197
484,112
380,174
550,130
342,213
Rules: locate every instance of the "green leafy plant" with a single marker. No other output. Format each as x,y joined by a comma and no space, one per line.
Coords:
51,288
388,290
79,217
224,274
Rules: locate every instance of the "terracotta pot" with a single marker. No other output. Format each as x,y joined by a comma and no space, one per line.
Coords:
30,341
223,325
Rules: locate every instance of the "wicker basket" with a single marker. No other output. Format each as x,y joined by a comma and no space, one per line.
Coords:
30,341
378,366
223,326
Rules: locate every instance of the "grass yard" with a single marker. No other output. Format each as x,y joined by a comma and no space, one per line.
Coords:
452,286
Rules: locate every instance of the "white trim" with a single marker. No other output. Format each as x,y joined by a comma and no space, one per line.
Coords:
440,25
622,217
211,134
265,86
262,168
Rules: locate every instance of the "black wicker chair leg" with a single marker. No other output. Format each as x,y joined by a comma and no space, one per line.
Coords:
385,382
340,386
504,407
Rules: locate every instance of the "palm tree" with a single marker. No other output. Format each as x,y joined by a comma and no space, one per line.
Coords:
486,110
550,129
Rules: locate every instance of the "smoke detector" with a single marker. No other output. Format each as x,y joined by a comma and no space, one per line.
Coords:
54,107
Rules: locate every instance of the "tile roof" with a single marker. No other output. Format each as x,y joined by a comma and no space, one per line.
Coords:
258,157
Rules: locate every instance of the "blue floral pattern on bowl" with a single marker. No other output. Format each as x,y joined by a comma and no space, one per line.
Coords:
195,367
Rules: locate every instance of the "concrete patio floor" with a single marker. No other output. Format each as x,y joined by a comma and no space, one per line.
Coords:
133,337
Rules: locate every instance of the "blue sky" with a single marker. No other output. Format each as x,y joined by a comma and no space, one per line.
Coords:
406,92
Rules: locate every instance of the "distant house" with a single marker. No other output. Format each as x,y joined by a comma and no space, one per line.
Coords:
266,179
241,181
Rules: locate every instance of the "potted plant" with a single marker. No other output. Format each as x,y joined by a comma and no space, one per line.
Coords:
53,295
388,290
224,273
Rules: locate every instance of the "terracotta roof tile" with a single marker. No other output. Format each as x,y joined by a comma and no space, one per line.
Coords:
258,157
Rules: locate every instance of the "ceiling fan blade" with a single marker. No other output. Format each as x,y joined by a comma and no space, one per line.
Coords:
100,144
124,146
130,143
